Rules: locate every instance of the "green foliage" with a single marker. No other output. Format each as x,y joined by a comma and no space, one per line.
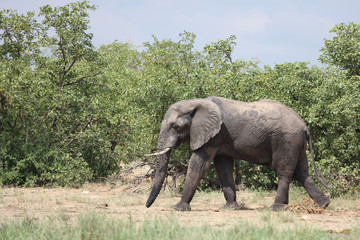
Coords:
98,226
344,49
70,113
341,105
55,122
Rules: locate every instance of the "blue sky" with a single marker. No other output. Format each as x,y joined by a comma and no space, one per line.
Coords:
272,31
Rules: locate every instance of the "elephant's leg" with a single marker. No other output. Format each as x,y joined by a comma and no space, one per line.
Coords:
283,163
225,168
302,176
282,194
199,163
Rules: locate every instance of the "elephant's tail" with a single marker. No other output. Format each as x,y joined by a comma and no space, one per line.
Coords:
318,175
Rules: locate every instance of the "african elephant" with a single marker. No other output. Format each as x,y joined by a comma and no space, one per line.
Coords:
265,132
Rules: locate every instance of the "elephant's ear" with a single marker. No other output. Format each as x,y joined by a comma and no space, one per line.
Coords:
206,123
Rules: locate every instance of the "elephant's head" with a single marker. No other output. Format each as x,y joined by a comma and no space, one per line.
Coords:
195,120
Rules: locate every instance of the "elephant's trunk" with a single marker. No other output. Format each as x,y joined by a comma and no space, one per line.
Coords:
161,168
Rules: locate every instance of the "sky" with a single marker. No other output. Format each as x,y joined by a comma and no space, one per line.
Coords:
270,31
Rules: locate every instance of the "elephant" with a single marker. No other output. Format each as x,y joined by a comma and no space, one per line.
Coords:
219,130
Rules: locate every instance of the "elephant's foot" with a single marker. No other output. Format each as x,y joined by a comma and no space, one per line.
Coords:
182,206
232,205
278,206
323,202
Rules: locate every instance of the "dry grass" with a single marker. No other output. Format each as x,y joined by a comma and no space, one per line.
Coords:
122,203
127,201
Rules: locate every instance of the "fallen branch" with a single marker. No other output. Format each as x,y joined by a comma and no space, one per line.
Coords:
134,181
129,170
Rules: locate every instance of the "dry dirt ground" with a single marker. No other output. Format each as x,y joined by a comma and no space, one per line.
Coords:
128,201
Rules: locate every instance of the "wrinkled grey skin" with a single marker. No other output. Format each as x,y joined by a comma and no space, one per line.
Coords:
264,132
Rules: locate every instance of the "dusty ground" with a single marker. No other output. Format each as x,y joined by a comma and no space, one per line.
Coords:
125,201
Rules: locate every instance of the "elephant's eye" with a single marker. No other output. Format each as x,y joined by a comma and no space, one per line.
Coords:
176,126
181,124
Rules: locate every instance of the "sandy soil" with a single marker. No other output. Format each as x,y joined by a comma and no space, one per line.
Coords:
126,199
124,202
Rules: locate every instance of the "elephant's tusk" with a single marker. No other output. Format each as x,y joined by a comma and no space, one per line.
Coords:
158,153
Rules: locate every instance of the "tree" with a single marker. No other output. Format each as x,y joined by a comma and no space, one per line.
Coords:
70,113
341,99
56,127
343,50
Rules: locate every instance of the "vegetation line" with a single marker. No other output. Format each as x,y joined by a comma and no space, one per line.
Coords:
59,125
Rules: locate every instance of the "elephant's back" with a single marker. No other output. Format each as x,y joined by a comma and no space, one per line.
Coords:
264,113
288,119
255,112
253,127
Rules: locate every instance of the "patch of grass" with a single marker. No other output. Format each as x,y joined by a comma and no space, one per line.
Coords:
355,233
79,199
286,217
214,198
350,202
259,193
297,192
97,226
266,216
129,200
59,201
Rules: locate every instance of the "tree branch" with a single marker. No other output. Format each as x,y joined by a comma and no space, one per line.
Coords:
85,127
71,65
82,79
64,68
91,121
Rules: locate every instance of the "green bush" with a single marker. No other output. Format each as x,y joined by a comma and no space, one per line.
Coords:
56,120
71,113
